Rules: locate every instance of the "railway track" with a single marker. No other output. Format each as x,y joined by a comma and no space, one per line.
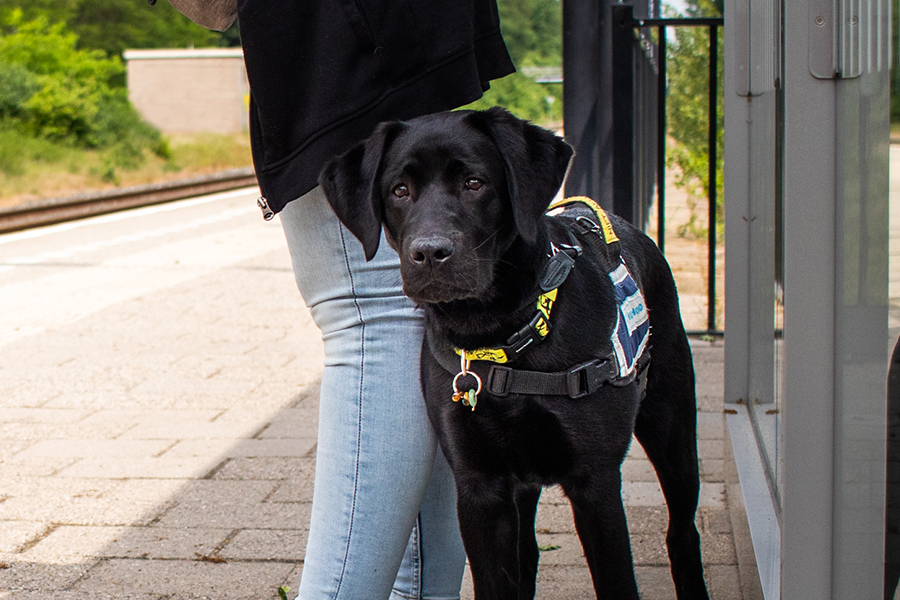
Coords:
58,210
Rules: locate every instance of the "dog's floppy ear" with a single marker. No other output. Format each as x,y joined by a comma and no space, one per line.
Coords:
351,183
536,163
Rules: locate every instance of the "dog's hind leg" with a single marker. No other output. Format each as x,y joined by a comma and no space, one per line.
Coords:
666,427
603,530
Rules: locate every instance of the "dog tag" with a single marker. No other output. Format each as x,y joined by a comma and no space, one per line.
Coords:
468,397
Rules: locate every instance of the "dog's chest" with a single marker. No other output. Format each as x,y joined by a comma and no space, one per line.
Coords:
521,438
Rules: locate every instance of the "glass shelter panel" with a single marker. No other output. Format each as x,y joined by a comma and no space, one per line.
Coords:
809,285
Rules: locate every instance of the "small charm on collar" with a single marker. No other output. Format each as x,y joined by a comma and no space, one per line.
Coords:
468,396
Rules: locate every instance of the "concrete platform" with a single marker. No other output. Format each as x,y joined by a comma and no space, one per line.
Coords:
158,411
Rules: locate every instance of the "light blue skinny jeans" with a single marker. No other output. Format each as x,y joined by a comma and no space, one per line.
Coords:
383,519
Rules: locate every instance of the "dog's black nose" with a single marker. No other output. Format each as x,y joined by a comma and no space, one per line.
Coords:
430,250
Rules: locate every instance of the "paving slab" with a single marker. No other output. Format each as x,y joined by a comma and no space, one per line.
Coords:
163,467
267,544
285,469
80,544
14,535
225,580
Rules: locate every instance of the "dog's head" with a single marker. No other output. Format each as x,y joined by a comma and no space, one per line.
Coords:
453,192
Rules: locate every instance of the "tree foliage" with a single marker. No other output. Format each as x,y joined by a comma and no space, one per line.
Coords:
532,30
687,108
115,25
524,97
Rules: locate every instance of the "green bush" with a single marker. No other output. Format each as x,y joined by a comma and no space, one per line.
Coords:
524,97
52,90
17,86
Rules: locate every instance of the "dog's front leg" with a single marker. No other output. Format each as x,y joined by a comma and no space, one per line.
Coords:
526,504
489,523
603,530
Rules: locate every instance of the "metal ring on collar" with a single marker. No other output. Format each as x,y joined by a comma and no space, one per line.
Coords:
473,374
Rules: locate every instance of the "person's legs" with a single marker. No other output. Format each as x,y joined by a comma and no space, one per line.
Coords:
436,539
376,449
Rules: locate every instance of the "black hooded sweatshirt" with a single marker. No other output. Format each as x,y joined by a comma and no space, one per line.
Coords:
324,73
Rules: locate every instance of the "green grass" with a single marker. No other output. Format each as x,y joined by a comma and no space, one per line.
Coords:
31,169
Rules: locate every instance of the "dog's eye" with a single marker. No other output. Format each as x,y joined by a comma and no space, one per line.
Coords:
401,191
474,184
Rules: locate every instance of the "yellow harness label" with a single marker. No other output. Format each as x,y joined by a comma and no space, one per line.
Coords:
496,355
545,305
542,328
608,234
545,302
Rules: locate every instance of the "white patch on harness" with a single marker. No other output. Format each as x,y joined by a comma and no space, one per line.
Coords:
634,311
620,274
629,338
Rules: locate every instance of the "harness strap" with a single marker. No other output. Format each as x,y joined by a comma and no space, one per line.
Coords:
555,272
605,228
588,219
577,382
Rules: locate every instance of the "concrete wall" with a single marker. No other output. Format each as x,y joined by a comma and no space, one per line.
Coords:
190,90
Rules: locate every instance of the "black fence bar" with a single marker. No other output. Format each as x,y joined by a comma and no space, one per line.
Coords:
713,123
623,158
633,112
646,112
661,128
685,22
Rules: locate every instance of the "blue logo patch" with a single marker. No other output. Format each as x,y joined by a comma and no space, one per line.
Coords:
632,330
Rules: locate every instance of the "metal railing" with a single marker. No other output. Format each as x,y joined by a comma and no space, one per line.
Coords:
630,55
58,210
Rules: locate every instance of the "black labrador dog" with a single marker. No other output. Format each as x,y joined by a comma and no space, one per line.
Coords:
520,369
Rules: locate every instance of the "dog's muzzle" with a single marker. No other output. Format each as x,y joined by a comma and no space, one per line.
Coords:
431,251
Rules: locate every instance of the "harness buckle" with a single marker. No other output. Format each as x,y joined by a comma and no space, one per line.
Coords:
586,378
527,335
